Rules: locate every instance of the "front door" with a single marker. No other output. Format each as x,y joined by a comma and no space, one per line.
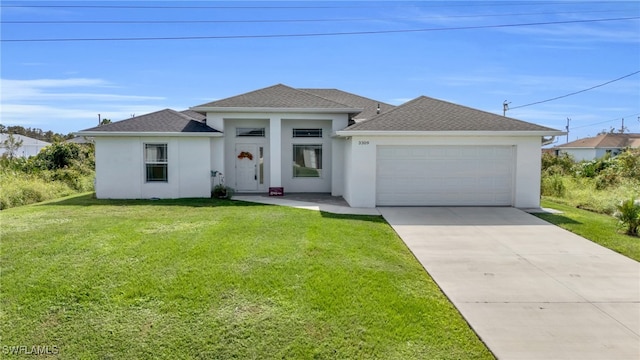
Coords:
246,167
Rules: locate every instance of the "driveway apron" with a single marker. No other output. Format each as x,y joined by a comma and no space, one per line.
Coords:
529,289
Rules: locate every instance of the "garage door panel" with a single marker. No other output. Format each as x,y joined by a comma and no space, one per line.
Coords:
445,175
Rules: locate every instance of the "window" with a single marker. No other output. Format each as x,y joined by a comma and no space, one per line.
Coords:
155,159
256,132
307,133
307,160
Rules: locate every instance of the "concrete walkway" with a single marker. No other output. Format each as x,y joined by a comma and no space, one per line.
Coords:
529,289
318,202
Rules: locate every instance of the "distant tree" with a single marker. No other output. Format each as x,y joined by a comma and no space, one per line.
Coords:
48,136
105,121
11,144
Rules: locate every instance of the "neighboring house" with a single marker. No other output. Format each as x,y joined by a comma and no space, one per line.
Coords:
596,147
29,147
424,152
80,140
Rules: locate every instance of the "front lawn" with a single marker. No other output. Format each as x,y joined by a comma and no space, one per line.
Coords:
217,279
599,228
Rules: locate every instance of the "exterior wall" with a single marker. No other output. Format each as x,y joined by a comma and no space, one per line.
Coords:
120,168
360,164
580,154
337,166
278,146
347,173
217,160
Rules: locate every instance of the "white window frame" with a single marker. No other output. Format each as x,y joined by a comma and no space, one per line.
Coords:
249,132
161,163
310,133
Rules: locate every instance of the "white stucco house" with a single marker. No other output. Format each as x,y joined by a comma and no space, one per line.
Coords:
424,152
592,148
29,147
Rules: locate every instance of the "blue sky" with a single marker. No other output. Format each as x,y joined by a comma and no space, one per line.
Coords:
477,54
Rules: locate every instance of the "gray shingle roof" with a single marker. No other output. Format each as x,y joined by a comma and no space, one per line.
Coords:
194,115
166,120
428,114
370,106
276,96
605,141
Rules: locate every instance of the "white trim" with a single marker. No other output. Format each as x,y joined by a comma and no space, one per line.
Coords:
147,133
274,110
348,133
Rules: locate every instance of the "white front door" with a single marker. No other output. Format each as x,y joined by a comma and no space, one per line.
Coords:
246,157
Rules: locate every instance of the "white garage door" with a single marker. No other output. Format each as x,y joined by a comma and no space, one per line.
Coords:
444,175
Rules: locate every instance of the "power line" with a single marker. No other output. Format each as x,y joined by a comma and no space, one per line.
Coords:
322,34
604,122
191,21
359,6
577,92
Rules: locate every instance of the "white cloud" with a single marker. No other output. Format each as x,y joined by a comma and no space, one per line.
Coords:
581,33
69,104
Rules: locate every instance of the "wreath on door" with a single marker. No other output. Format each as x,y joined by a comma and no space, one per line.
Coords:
245,154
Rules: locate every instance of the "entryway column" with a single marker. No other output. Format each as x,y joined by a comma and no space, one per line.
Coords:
275,151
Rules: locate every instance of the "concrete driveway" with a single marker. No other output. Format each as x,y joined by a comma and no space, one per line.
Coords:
529,289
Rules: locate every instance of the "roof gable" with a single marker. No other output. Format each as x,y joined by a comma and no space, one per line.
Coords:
166,120
428,114
276,96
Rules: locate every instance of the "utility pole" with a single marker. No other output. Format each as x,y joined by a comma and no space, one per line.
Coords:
622,127
99,121
505,107
568,121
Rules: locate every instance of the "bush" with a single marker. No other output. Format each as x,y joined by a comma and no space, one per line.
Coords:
222,192
562,164
628,213
606,179
553,186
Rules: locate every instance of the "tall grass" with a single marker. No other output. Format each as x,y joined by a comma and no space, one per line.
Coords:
599,185
583,193
17,189
58,170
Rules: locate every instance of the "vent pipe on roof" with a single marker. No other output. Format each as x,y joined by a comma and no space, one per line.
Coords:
378,110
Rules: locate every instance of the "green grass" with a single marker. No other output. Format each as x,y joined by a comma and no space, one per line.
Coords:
218,279
599,228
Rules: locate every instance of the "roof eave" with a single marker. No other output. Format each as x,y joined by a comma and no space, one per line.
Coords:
216,109
448,133
146,134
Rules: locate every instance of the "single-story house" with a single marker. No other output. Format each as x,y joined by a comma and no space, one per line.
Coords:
592,148
279,138
29,146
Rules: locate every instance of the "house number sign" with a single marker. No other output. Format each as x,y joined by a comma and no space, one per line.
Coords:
363,142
